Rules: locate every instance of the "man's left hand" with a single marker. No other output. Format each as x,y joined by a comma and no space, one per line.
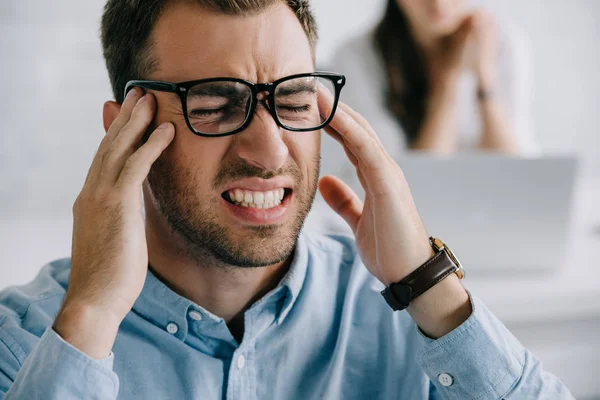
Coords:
390,235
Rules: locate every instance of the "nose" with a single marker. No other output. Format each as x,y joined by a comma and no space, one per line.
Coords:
261,144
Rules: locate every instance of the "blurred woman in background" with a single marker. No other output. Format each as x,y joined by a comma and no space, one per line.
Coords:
436,76
433,76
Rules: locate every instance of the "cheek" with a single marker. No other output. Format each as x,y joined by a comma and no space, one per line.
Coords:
198,156
305,149
416,10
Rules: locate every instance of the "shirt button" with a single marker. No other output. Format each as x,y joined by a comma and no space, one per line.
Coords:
241,361
446,379
172,328
195,315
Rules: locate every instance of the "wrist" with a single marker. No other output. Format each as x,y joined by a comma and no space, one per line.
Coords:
444,84
487,80
442,308
88,328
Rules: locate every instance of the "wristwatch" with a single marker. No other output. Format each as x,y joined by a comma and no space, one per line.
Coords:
444,263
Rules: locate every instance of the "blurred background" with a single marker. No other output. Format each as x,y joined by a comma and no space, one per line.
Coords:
54,84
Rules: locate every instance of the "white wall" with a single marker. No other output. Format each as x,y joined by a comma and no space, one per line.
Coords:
54,84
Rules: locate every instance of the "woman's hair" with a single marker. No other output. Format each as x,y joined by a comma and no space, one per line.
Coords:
407,88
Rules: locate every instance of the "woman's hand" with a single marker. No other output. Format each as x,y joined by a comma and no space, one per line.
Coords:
448,58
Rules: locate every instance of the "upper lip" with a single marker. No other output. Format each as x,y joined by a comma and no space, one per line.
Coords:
261,185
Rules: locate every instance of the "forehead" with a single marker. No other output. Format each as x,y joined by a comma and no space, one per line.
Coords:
193,43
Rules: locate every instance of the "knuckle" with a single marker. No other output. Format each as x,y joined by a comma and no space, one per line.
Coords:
76,205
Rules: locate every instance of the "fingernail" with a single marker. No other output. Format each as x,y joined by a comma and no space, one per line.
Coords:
143,99
133,93
163,126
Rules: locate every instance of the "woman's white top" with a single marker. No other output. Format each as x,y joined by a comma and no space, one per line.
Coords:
365,91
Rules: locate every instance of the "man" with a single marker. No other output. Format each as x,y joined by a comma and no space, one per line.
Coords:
213,292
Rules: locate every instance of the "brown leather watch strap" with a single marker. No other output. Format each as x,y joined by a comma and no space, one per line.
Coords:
430,274
400,294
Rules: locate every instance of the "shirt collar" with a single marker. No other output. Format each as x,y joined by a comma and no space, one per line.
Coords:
294,278
164,307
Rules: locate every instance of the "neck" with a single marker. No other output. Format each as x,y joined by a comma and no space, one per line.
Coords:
226,291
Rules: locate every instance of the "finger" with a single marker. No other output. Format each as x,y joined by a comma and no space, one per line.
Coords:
137,167
358,117
325,101
342,199
465,29
362,121
363,146
128,139
134,96
127,107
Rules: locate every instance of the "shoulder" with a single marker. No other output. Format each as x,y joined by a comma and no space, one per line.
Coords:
26,311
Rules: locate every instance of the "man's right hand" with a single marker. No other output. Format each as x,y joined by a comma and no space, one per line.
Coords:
109,251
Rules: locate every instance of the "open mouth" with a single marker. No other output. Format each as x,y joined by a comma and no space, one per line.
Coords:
260,200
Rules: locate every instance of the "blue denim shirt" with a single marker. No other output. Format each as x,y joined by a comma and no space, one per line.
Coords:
324,333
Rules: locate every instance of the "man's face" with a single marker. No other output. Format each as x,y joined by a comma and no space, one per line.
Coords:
191,181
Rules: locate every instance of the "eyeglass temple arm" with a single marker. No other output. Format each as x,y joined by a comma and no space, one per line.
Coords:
152,85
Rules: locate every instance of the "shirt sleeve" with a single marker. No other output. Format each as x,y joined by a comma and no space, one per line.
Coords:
481,359
56,370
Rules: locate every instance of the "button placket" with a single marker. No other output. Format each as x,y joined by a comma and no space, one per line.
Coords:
241,361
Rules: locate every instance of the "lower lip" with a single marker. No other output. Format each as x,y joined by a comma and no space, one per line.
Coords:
259,216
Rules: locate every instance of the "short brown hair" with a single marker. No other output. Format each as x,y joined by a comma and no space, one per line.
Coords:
127,27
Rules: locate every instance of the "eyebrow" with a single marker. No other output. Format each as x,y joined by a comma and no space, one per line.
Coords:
300,87
215,90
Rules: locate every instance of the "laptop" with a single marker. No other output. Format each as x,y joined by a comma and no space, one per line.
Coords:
499,214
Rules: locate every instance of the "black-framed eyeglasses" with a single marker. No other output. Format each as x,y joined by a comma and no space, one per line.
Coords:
218,107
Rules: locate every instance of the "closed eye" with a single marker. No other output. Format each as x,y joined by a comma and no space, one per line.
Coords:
207,112
294,109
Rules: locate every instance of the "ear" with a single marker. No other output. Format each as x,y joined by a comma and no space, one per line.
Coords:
110,113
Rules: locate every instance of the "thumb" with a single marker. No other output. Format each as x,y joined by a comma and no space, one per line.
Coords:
342,199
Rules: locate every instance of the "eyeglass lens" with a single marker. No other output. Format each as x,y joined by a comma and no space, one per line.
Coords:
223,106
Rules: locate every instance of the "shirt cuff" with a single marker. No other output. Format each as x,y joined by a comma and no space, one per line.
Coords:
480,359
58,370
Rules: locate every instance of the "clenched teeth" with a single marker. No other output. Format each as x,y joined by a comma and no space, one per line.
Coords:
264,200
